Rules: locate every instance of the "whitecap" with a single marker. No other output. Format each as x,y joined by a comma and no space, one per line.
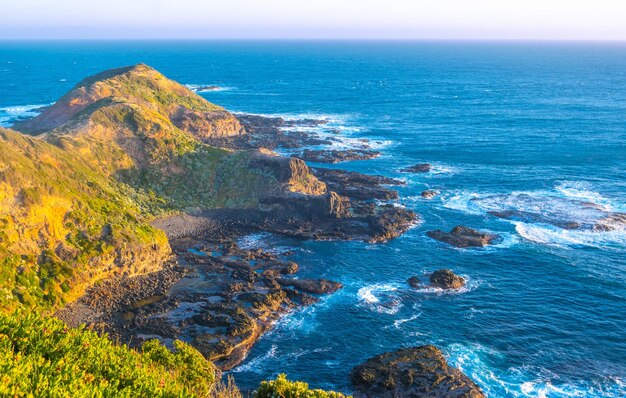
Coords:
554,236
381,298
473,360
12,114
254,365
202,88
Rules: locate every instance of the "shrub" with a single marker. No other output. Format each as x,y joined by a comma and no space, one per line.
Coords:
43,357
283,388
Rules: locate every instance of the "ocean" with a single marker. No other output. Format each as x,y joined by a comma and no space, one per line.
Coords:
525,127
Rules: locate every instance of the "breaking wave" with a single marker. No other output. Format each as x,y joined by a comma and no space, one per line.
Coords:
474,360
572,214
11,114
381,298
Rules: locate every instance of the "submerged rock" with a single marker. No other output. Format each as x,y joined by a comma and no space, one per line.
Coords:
315,286
412,372
461,236
418,168
429,194
446,279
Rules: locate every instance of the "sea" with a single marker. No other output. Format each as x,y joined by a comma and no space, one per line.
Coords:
535,129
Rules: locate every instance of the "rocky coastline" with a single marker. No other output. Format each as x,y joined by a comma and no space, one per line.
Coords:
190,179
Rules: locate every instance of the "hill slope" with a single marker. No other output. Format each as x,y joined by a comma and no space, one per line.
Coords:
121,148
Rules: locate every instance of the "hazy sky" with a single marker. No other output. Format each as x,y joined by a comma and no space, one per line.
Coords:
425,19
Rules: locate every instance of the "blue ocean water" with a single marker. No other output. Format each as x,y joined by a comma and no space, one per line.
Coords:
535,127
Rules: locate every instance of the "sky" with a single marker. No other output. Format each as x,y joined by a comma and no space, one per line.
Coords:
314,19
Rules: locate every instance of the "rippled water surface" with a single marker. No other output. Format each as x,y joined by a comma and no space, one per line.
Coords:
538,130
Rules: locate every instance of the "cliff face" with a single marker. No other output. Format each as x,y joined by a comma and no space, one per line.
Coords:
64,225
121,148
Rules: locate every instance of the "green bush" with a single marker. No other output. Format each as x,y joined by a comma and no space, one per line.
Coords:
283,388
42,357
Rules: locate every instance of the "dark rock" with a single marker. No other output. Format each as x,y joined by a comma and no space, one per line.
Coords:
463,237
446,279
418,168
315,286
414,282
429,194
356,185
336,156
611,222
412,372
208,88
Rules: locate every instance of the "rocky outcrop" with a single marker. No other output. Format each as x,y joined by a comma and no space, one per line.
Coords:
412,372
418,168
314,286
461,236
337,156
446,279
293,173
357,185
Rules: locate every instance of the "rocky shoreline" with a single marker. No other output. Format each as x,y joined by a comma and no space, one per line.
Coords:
222,298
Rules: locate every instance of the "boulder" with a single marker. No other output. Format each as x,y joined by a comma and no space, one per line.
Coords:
429,194
461,236
414,282
446,279
412,372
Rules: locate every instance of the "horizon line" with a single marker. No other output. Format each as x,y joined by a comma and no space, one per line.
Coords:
314,39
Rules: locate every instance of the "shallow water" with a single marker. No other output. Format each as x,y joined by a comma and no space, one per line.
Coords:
508,126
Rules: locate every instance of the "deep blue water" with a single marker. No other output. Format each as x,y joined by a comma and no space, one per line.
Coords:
538,127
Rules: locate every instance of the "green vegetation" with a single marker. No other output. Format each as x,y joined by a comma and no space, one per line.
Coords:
43,357
283,388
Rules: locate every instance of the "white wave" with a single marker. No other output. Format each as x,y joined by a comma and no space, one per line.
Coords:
583,190
521,382
255,364
553,236
381,298
11,114
566,216
202,88
462,201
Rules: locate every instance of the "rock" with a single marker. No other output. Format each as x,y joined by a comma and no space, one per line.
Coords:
611,222
208,88
446,279
418,168
461,236
429,194
336,156
315,286
412,372
293,173
356,185
414,282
